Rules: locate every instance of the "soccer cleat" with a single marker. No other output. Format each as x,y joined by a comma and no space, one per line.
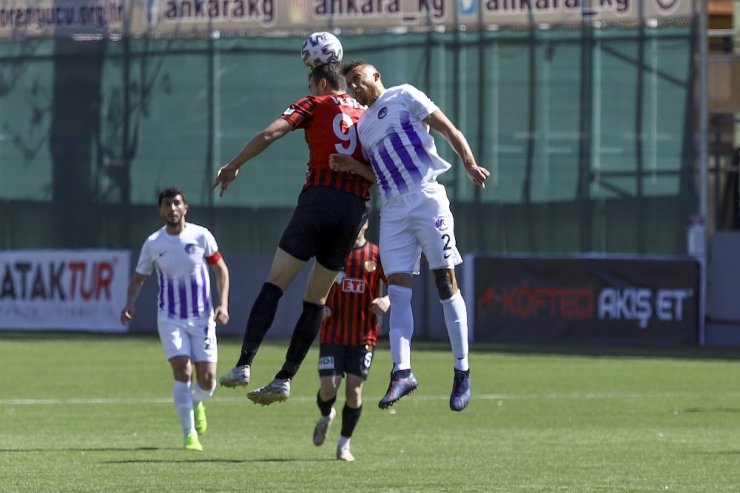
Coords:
192,442
322,427
236,377
343,453
276,391
460,396
201,423
399,387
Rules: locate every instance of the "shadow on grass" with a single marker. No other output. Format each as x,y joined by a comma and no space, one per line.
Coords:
84,449
160,461
216,461
716,410
534,348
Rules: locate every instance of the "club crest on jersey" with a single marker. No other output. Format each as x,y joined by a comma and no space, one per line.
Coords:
441,224
370,265
190,248
383,111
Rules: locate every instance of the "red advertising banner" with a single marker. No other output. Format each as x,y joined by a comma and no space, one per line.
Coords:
587,300
63,289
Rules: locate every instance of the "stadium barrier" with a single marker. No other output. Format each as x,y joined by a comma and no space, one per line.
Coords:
594,300
567,299
63,289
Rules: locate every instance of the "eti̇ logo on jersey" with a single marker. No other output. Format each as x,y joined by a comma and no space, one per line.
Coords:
440,224
383,112
190,248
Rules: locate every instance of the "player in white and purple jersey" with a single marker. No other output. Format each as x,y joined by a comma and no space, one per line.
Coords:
181,252
415,214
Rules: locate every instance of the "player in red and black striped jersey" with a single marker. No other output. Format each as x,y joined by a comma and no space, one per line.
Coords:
348,337
329,213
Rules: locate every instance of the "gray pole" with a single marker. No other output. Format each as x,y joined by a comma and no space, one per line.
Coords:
703,131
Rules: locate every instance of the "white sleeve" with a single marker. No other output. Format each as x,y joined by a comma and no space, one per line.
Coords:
211,246
146,260
419,103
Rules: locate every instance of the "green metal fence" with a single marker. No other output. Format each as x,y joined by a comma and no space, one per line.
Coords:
588,132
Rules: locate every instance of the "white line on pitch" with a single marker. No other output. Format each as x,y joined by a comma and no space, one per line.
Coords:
417,396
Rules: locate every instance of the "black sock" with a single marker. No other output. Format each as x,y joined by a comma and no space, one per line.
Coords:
259,322
325,406
350,417
305,331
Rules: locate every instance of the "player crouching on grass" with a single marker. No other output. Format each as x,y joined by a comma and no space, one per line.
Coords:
186,319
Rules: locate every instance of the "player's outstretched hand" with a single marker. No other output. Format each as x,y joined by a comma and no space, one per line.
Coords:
226,174
478,174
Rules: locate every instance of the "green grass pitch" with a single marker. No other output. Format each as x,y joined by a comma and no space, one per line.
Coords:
84,413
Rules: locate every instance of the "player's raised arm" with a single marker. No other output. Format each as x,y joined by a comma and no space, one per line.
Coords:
261,141
440,123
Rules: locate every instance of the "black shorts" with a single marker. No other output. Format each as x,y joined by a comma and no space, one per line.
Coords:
324,225
341,360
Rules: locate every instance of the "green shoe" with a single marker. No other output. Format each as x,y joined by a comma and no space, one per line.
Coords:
192,442
201,423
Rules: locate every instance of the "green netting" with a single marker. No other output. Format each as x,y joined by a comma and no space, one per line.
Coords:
588,133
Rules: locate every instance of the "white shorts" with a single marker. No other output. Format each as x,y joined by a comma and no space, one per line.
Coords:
416,222
195,339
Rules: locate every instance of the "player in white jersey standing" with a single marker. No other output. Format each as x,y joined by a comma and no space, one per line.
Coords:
181,252
415,214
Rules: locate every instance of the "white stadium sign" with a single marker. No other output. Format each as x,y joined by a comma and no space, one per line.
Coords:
196,18
63,289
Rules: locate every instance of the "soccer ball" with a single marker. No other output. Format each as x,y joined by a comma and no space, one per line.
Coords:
321,48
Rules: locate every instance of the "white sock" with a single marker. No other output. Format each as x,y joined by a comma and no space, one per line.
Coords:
200,394
184,405
401,326
456,319
343,442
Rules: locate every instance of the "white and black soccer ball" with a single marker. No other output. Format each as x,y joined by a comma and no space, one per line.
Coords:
321,48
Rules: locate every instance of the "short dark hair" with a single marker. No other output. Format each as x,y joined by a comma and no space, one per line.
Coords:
349,66
170,193
330,72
